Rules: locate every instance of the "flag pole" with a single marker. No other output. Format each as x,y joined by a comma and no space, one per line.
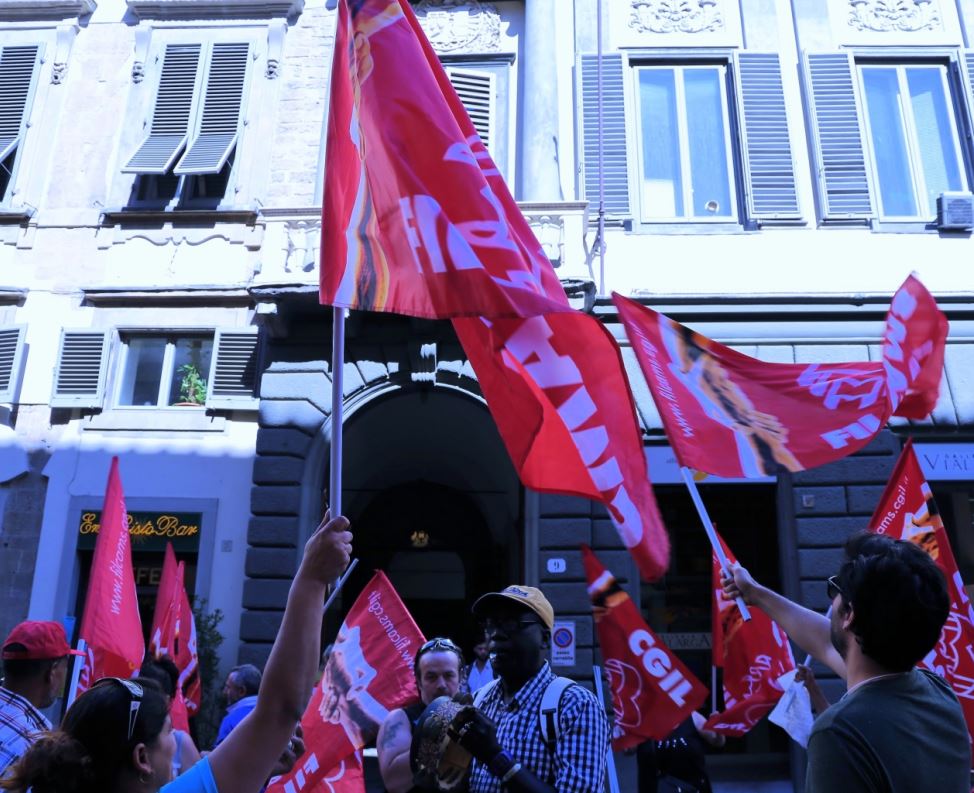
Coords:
713,687
79,662
337,586
337,387
610,762
708,526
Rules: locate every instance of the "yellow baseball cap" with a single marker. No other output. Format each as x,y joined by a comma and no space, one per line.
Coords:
527,596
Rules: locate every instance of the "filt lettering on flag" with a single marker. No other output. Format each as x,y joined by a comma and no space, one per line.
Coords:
734,416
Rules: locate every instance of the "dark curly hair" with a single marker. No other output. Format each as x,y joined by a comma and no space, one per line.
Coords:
91,748
898,596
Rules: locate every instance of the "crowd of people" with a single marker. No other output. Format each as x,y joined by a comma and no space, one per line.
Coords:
897,729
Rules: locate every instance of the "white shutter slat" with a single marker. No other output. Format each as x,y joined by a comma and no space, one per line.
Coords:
615,155
478,92
170,117
768,163
837,131
79,377
17,69
233,371
11,350
966,66
220,118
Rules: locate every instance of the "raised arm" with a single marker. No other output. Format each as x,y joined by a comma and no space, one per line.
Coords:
244,760
392,746
807,628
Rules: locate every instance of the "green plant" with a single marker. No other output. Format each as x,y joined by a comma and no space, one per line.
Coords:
208,641
192,387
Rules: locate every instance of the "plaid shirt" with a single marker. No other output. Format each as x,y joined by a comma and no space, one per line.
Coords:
577,764
19,724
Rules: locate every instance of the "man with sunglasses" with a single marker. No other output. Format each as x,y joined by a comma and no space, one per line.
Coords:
504,732
897,727
437,667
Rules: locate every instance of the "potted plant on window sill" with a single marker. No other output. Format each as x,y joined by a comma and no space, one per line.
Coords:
192,387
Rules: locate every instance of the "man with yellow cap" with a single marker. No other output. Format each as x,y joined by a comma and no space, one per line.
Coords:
512,749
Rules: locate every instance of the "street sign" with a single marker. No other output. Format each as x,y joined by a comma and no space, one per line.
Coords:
563,643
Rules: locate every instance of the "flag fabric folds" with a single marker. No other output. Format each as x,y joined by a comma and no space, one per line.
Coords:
753,654
907,511
652,691
417,219
557,389
369,672
111,627
734,416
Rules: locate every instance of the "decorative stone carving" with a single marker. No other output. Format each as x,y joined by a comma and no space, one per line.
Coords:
549,228
275,48
138,72
882,16
65,38
676,16
460,25
301,249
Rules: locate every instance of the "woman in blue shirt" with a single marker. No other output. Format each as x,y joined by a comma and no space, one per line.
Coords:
117,737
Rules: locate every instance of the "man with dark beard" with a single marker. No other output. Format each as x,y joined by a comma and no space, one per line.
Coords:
897,729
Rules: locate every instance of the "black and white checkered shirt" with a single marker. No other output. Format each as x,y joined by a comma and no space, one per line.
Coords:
577,764
20,725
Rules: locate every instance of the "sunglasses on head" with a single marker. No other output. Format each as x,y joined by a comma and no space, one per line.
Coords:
832,587
136,692
439,643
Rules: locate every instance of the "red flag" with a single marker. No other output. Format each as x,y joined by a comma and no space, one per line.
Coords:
111,626
417,219
753,654
369,672
557,390
165,598
907,511
734,416
652,691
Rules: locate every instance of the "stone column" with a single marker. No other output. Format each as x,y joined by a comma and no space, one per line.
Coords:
539,154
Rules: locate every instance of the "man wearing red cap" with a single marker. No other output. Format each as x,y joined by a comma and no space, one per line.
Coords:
35,665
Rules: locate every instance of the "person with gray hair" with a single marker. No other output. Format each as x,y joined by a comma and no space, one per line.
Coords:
241,689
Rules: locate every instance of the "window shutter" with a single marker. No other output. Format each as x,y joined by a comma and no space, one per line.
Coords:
82,364
769,167
615,156
837,133
233,372
18,70
220,117
478,92
171,115
966,65
11,352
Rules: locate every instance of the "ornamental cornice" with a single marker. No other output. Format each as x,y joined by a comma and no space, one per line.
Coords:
676,16
895,16
214,9
455,26
20,10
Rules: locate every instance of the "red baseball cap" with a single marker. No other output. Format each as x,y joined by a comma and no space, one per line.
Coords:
37,641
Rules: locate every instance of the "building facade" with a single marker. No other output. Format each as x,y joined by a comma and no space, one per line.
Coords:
771,172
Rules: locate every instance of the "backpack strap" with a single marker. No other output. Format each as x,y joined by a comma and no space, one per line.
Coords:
550,705
483,691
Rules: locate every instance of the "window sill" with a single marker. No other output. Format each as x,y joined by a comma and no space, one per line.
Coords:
910,227
120,216
155,420
14,217
695,229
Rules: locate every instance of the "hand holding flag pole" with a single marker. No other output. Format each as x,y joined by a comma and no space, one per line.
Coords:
712,535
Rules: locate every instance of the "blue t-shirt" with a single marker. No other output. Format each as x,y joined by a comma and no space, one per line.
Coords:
198,779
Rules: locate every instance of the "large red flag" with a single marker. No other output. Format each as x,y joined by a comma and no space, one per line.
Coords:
753,654
735,416
557,390
652,691
417,219
346,777
907,511
111,627
165,599
369,672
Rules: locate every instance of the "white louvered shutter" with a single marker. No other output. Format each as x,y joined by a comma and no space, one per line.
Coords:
79,378
18,74
11,350
478,92
769,167
220,116
615,155
171,116
233,371
843,179
966,68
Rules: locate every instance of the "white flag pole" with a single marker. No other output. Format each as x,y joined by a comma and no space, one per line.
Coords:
79,662
337,586
337,398
711,534
610,762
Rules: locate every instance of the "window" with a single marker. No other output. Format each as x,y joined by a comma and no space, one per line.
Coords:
888,135
19,66
483,87
914,148
186,159
708,135
686,169
160,371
